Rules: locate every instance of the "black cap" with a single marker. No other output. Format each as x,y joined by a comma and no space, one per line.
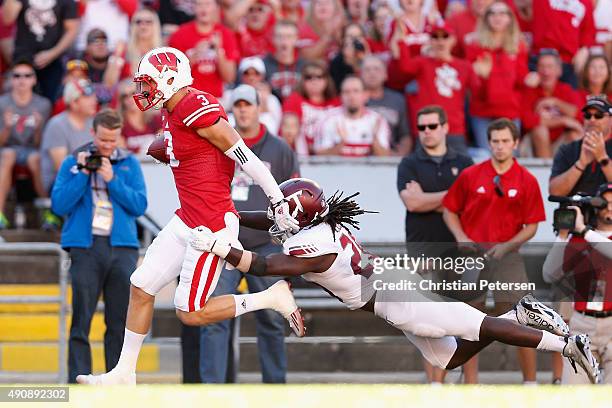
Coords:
599,102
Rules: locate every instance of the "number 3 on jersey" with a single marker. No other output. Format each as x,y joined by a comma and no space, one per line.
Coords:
358,257
168,137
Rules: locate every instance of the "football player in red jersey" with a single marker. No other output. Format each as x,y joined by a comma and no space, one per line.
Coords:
323,251
201,148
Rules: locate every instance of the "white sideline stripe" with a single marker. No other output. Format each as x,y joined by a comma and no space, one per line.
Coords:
214,105
201,114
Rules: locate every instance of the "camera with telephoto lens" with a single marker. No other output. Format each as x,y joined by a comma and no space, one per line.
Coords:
93,162
564,218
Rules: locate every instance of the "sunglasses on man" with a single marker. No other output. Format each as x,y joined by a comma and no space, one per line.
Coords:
430,126
597,115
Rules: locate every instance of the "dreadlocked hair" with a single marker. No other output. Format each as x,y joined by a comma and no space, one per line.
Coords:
342,212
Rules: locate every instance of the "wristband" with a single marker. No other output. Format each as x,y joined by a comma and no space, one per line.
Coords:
584,231
578,168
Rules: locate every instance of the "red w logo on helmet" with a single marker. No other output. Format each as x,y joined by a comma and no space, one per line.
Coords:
164,59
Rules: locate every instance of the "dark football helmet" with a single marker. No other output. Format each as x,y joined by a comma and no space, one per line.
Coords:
307,204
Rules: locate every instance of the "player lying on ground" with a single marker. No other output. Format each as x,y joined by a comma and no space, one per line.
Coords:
202,150
447,333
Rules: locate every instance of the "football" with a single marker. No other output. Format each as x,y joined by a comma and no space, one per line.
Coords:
157,149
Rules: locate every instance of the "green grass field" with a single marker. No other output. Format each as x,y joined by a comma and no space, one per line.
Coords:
335,396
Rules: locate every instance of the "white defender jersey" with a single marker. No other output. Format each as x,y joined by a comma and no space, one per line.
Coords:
345,279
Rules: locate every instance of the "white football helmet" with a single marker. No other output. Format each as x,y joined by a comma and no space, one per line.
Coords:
161,73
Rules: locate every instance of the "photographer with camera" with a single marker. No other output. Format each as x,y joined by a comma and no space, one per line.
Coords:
100,190
582,253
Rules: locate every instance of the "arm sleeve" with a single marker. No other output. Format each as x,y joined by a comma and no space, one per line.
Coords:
252,166
68,188
409,64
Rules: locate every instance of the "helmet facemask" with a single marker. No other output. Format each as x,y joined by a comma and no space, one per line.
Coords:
153,96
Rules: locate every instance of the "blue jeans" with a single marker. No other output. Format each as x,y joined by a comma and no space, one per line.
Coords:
479,129
215,338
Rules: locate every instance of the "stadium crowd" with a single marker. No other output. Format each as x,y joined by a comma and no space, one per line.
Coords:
532,61
344,78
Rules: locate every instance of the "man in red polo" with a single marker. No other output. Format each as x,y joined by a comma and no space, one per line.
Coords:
497,205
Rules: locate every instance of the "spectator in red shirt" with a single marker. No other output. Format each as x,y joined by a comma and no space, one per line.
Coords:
283,67
496,206
499,58
314,96
568,27
145,34
255,28
464,22
380,31
210,47
442,80
596,78
320,33
409,30
290,129
549,110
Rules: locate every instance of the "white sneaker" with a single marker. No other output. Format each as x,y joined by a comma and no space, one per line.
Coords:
578,350
111,378
285,305
533,313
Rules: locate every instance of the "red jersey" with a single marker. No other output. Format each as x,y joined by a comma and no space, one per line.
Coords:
202,173
588,266
485,216
531,97
203,57
441,83
565,25
500,93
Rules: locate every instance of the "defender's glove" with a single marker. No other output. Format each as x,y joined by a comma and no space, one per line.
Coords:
282,218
